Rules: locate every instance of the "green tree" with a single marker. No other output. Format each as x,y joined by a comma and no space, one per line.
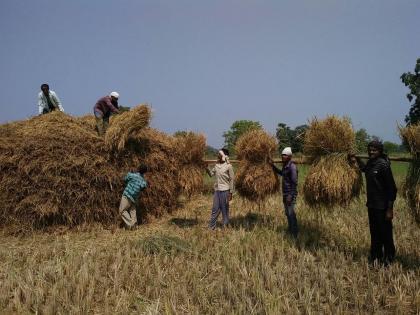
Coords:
288,137
391,147
412,81
237,129
362,140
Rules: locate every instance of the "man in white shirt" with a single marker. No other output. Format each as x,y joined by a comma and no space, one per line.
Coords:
48,101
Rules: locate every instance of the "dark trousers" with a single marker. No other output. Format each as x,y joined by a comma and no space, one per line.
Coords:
291,216
381,241
220,204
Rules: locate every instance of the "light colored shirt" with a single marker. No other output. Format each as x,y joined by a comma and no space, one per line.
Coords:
224,176
43,103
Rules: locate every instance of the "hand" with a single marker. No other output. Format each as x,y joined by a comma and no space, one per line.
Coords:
270,161
389,215
230,197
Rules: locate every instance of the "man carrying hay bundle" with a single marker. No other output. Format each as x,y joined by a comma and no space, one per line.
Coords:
289,186
381,194
103,108
223,188
135,183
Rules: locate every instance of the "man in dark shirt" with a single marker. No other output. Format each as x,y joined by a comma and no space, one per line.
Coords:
381,194
103,108
289,173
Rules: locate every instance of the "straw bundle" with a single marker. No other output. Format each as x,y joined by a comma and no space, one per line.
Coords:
190,149
255,179
331,180
411,135
126,124
54,169
88,122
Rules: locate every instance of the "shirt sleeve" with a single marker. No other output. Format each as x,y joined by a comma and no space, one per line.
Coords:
110,106
40,104
294,176
57,101
277,170
390,187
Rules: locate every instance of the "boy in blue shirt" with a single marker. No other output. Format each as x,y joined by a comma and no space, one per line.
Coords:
135,183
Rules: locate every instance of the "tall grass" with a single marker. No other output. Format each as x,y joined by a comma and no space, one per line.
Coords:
177,266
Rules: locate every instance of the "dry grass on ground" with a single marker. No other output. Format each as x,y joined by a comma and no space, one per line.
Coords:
176,266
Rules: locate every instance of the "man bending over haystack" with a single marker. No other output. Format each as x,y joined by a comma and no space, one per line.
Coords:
48,100
135,183
289,186
223,188
103,108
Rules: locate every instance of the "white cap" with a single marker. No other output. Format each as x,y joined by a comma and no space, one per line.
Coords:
114,94
287,151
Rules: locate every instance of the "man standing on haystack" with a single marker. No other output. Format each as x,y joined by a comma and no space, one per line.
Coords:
381,193
135,183
48,101
103,108
223,188
289,173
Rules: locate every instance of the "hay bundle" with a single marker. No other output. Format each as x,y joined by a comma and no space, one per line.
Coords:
331,180
157,151
411,135
190,148
54,171
255,179
122,126
88,122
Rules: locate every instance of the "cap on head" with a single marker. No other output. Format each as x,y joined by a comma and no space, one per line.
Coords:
114,94
287,151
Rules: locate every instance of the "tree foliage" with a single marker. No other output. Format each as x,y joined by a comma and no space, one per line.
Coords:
237,129
412,81
288,137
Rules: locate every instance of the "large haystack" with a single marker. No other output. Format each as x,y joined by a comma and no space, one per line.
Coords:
331,181
255,179
190,148
54,169
411,135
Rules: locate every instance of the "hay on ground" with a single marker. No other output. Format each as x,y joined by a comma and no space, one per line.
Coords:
255,179
331,180
411,135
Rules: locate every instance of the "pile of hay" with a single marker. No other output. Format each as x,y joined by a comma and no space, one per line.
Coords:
411,135
190,148
55,170
331,180
255,179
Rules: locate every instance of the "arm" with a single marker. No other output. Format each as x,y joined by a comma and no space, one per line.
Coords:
110,106
232,181
57,101
210,172
391,190
40,104
275,168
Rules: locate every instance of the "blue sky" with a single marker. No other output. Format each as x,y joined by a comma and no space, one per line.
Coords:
204,64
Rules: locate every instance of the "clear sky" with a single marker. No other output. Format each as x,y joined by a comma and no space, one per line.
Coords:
204,64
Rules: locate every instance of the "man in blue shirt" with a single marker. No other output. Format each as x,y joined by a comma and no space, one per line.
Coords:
135,183
289,173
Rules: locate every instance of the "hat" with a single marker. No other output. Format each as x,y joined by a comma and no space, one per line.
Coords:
287,151
114,94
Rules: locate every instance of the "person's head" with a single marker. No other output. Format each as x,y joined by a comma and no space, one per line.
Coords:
142,169
375,149
114,96
45,88
286,154
222,155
